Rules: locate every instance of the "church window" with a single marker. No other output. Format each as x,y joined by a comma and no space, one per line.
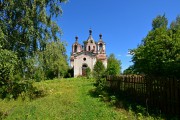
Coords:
93,47
84,59
89,48
100,46
75,48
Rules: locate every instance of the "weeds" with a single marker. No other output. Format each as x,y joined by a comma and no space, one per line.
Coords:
3,115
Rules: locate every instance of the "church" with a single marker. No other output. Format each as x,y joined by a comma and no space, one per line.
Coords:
86,55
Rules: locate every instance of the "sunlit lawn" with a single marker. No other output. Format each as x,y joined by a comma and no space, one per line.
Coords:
66,99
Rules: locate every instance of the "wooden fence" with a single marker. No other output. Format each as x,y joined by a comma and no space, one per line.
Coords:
155,92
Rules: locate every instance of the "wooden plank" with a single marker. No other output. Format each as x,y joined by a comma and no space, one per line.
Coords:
176,96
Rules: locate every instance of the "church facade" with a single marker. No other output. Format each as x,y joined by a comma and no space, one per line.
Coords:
86,55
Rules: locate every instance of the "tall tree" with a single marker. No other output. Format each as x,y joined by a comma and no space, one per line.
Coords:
99,74
159,53
175,25
27,26
99,68
55,64
130,70
113,65
159,21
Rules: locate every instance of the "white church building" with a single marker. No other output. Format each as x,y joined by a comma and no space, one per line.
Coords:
86,55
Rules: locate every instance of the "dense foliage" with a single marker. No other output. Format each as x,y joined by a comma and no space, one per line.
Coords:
99,73
29,42
88,72
130,70
159,52
8,62
55,64
99,69
113,65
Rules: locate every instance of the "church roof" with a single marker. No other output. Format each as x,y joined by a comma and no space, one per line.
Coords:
76,42
100,39
90,38
86,53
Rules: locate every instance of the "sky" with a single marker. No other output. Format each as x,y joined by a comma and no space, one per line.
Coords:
122,23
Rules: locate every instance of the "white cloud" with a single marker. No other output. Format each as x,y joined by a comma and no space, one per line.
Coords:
119,55
128,55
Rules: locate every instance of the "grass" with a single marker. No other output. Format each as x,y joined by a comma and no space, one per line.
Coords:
66,99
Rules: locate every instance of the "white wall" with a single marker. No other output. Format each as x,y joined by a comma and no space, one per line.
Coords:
78,62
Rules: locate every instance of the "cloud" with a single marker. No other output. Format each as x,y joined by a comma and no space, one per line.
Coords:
119,55
128,55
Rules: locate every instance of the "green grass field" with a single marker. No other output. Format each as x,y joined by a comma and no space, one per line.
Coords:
66,99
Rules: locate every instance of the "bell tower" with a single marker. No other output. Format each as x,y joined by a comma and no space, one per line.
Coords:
76,47
90,44
101,45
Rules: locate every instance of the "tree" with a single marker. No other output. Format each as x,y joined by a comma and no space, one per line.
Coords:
159,53
113,65
175,25
159,21
98,72
99,75
8,62
55,62
88,72
27,26
130,70
99,69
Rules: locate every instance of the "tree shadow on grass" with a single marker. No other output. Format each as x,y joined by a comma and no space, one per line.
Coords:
123,101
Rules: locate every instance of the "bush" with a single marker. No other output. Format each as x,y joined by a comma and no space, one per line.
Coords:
99,72
88,72
70,73
11,83
8,62
39,75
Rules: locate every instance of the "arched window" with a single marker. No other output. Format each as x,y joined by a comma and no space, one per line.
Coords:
75,48
100,46
89,48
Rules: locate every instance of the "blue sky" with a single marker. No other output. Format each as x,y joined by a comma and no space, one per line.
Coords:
123,23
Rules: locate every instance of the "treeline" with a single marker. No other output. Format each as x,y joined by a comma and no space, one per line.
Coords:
29,44
159,52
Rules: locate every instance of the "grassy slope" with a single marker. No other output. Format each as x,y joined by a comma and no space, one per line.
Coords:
66,99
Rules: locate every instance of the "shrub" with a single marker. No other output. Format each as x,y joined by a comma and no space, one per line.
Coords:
88,72
8,62
99,72
11,83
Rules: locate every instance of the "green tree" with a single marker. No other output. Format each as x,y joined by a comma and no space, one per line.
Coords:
8,62
159,53
175,25
130,70
99,69
26,26
55,62
113,65
99,72
159,21
88,72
